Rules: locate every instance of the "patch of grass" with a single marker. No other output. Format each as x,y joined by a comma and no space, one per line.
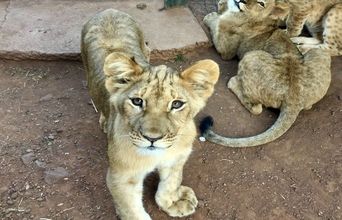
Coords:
180,58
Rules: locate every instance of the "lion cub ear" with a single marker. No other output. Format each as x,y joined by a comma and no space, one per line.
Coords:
280,10
120,71
201,77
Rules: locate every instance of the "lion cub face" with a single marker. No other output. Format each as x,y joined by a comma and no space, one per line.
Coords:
259,9
157,103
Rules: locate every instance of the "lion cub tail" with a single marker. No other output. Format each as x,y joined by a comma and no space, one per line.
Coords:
285,120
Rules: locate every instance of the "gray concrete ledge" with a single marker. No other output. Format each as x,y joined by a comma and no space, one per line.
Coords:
50,29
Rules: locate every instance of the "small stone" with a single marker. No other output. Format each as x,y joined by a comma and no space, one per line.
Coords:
40,164
27,211
10,202
141,6
29,150
28,158
27,193
48,97
14,195
51,137
40,199
202,139
54,175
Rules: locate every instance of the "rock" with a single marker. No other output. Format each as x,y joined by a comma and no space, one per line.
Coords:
10,202
141,6
40,164
51,137
55,174
28,158
46,98
14,195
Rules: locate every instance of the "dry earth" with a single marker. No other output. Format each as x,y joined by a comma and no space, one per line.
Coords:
53,155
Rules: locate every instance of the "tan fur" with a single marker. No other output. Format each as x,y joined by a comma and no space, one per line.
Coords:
323,20
272,72
153,134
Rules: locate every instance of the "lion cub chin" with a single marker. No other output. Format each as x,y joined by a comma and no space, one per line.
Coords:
147,112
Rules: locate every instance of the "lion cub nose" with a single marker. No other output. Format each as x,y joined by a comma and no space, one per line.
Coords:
152,139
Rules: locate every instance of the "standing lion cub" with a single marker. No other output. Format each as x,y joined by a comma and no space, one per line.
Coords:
147,112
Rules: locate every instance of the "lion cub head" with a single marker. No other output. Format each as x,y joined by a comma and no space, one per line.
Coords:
156,103
259,9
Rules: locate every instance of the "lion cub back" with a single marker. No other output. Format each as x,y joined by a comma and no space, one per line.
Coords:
107,32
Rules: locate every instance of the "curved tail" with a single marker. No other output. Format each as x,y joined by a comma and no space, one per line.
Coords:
285,120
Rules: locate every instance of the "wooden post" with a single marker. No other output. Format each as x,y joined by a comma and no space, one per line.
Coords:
173,3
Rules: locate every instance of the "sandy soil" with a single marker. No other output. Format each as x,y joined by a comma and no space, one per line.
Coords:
53,154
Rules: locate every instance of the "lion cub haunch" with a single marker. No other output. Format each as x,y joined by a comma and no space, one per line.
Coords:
272,72
323,20
147,112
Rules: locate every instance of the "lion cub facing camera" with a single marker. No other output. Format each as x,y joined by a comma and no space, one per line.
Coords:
147,112
272,72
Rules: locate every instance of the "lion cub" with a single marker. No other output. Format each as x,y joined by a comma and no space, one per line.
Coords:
272,72
323,20
147,111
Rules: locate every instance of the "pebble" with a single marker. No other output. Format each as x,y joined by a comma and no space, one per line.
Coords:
10,202
141,6
28,158
40,164
55,174
51,137
14,195
202,139
48,97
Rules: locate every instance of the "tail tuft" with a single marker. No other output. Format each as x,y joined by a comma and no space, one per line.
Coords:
205,124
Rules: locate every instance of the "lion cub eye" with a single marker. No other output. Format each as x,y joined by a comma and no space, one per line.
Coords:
137,101
261,4
177,104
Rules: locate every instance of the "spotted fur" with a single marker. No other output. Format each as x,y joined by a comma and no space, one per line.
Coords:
272,72
323,20
147,112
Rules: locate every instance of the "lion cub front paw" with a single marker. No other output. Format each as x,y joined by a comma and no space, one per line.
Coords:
210,17
181,203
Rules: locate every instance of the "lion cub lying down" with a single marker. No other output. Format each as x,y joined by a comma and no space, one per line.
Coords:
272,72
147,112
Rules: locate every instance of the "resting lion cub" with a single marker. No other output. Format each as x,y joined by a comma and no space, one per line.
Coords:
147,112
323,20
272,72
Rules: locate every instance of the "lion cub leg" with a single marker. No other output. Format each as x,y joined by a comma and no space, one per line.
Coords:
127,192
173,198
235,85
295,22
103,123
332,38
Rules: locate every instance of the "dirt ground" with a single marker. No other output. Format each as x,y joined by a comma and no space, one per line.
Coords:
53,155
